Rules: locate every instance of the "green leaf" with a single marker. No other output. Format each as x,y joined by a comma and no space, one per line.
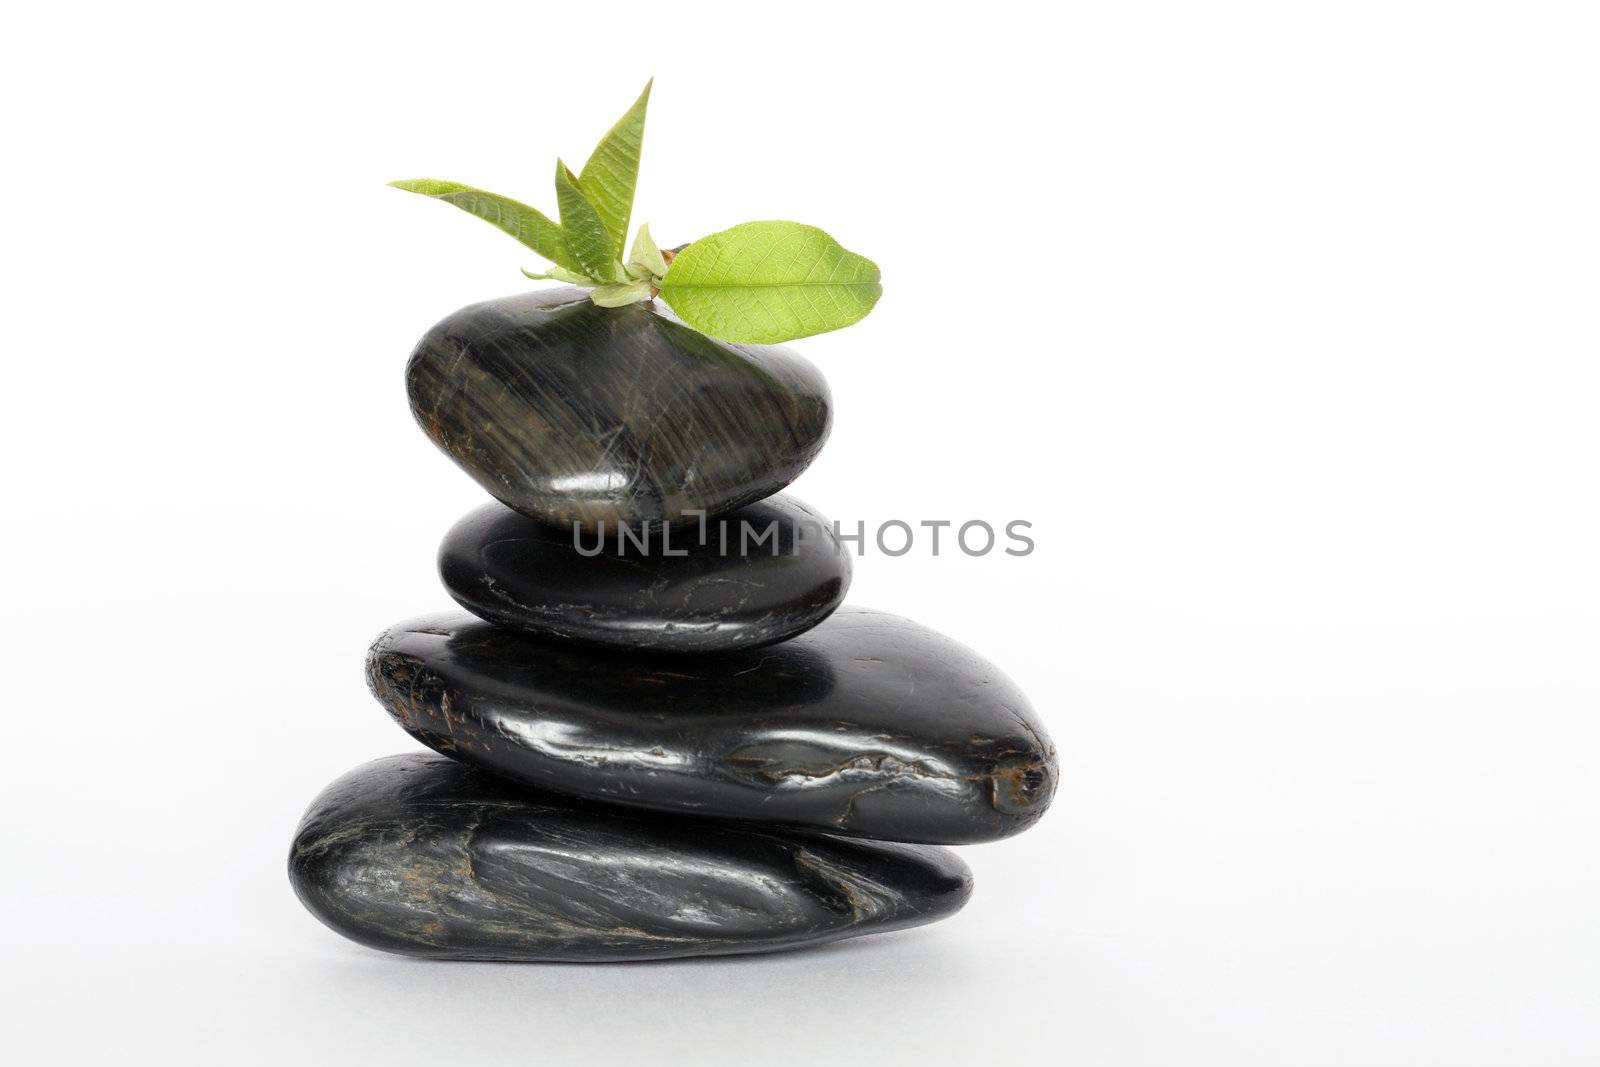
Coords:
646,259
586,235
526,224
615,296
559,274
765,282
611,174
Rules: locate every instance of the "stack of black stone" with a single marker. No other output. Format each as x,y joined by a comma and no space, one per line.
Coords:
657,737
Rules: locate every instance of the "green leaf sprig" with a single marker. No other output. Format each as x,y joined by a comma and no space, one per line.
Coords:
757,283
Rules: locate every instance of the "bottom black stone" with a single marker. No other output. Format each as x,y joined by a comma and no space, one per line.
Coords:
421,855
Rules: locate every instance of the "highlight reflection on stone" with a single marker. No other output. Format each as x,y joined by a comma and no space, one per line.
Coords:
567,411
867,724
425,856
668,589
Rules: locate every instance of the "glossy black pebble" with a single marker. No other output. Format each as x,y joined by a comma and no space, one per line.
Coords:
757,575
868,724
567,411
425,856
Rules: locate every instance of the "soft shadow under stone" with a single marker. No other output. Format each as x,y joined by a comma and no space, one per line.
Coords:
423,855
868,724
567,411
752,577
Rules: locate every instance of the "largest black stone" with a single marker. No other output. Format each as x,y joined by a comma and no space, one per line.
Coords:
868,725
422,855
571,412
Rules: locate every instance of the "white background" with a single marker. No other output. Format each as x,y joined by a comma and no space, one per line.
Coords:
1277,320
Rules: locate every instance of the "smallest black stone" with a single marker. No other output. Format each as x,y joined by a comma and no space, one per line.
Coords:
755,576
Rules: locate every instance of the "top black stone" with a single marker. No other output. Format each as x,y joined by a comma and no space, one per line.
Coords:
570,412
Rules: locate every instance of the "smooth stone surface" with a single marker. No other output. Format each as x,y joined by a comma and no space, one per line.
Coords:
868,725
569,412
720,588
426,856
